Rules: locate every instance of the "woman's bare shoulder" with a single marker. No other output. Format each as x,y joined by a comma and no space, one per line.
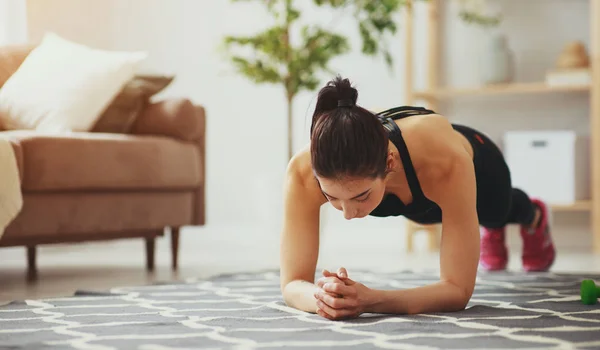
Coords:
433,143
299,166
426,123
300,176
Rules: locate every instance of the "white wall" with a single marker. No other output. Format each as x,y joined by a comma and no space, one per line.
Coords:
13,28
246,123
88,22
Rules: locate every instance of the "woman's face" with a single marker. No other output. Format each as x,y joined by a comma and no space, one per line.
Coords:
355,197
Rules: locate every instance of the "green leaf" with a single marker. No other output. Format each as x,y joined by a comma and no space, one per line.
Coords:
332,3
376,23
270,42
257,70
317,48
388,58
479,19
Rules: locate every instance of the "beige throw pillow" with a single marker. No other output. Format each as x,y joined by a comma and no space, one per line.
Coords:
122,112
64,86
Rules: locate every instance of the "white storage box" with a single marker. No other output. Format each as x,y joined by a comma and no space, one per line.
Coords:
551,165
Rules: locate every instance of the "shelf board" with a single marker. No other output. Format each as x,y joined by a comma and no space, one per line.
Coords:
585,205
500,89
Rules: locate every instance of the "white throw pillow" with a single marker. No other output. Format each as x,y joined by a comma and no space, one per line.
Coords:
64,86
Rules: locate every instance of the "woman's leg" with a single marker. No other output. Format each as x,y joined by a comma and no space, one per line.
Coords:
499,204
514,208
534,217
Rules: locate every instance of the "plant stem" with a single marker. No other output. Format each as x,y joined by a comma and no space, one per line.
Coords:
290,100
288,78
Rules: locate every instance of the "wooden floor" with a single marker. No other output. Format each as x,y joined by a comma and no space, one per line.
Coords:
206,252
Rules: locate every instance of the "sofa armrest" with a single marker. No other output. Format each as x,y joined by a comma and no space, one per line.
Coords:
176,118
182,120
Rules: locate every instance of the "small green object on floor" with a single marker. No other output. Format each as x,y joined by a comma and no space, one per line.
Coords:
589,292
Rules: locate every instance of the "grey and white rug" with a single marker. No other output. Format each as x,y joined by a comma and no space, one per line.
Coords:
245,311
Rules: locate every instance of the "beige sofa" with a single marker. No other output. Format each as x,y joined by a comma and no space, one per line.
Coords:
90,186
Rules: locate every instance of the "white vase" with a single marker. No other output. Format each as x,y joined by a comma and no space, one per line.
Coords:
497,61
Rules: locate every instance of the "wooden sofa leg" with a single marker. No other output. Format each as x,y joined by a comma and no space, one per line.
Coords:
31,262
433,239
411,229
150,245
175,247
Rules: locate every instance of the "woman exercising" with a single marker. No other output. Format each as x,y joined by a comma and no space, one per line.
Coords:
406,161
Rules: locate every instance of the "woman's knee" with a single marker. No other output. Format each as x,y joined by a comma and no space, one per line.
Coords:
494,223
494,211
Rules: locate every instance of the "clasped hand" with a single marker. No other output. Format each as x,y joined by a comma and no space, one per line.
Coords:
339,297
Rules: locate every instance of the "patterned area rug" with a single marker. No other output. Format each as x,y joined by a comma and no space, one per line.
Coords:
245,311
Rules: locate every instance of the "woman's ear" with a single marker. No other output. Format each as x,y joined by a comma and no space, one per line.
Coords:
390,161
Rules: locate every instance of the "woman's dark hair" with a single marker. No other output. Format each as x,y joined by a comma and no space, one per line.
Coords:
346,139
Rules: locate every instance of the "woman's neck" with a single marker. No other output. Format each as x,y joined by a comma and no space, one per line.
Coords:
396,181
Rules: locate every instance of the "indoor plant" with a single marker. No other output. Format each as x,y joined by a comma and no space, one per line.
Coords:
275,59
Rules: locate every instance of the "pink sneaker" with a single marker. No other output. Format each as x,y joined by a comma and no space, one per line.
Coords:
538,248
493,255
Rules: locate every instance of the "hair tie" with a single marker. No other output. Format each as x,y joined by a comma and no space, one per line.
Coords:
345,103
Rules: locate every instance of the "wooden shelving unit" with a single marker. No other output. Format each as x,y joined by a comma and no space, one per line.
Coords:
577,206
434,93
500,89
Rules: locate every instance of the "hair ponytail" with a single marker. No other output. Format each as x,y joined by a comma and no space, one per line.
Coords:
346,139
337,93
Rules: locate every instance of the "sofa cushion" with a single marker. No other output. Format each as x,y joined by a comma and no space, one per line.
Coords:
99,161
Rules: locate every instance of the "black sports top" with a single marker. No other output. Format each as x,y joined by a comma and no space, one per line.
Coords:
391,205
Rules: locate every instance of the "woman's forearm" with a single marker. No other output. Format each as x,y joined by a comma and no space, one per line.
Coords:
438,297
300,295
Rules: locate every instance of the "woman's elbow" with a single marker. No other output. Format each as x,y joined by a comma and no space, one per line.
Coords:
288,293
463,299
461,296
287,299
460,305
283,286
